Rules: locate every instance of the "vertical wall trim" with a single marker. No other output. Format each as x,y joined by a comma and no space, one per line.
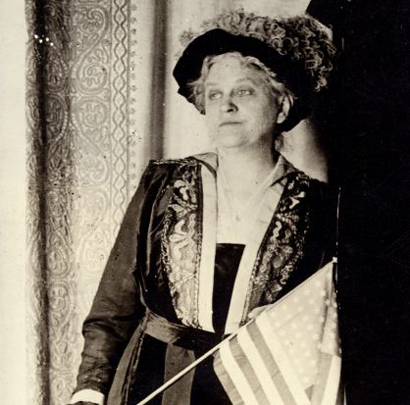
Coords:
159,58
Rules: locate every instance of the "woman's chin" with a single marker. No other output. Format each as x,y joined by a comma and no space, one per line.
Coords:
229,140
229,145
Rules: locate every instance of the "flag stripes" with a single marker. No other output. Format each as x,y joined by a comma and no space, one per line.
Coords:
285,369
238,378
290,354
244,362
246,340
283,390
328,387
229,385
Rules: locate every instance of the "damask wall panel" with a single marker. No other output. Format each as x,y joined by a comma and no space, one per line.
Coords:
84,163
119,99
100,101
51,287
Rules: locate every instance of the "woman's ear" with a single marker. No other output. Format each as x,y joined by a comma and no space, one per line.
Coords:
284,108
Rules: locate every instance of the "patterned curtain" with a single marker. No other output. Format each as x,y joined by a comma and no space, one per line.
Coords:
100,103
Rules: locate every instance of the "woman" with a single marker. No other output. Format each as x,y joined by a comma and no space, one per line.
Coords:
209,238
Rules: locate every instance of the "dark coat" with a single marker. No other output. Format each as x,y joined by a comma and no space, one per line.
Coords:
155,266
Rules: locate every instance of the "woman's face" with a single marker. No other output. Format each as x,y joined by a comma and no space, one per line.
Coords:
240,110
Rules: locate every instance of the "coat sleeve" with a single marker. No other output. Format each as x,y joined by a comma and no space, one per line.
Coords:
116,309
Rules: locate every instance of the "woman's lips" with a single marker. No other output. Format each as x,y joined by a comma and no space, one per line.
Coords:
229,123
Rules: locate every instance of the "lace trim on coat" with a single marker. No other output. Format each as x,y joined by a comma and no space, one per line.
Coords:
181,239
283,245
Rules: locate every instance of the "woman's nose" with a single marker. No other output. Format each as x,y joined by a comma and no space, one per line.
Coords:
228,105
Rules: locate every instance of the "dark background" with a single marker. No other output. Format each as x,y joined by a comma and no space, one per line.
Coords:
368,132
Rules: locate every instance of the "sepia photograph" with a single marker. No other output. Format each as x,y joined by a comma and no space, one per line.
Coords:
205,202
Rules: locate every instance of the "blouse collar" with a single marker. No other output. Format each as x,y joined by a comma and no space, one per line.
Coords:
282,168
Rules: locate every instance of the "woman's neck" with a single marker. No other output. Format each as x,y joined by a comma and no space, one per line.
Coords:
245,169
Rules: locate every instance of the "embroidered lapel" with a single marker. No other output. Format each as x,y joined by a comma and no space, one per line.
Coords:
208,246
189,241
283,245
243,282
181,242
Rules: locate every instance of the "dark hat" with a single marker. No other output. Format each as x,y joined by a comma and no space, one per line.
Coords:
292,71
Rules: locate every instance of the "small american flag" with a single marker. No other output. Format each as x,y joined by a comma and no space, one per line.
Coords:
290,355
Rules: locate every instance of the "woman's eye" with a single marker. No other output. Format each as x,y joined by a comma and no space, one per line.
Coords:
214,95
244,92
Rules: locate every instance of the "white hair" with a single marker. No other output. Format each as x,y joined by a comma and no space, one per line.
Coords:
198,85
